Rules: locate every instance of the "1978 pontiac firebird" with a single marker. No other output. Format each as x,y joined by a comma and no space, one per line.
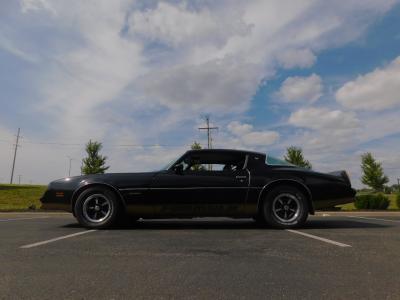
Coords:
201,183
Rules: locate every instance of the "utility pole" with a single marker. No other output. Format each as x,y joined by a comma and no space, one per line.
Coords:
208,128
209,138
398,184
19,179
15,155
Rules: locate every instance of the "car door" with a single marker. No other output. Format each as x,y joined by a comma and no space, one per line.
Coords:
202,191
173,194
221,193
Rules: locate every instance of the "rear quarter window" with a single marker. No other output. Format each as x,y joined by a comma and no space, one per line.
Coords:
273,161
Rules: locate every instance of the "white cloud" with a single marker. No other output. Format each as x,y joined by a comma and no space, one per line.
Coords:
245,134
7,45
378,126
322,118
300,58
90,73
301,89
239,129
260,138
329,130
211,87
36,5
373,91
177,25
215,55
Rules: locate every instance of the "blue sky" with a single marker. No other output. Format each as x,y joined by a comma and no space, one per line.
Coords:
140,76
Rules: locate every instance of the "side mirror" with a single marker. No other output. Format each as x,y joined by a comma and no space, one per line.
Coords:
178,169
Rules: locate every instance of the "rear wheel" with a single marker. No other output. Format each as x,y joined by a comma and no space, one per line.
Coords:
97,207
285,207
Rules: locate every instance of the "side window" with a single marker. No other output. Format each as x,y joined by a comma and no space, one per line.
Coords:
214,163
210,167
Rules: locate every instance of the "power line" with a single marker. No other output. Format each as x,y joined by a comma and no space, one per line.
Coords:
6,141
15,156
113,146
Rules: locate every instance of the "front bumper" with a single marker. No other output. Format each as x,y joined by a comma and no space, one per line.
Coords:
56,200
56,206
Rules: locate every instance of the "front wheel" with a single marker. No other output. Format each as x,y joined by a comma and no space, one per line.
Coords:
285,207
97,207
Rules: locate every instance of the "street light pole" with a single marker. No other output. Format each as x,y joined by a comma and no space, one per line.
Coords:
70,164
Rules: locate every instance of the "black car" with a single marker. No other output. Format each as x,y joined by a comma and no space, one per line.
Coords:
203,183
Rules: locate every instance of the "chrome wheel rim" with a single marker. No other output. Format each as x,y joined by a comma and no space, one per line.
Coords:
286,208
97,208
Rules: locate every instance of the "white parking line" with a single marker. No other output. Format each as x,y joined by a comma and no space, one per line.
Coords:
318,238
17,219
368,218
57,239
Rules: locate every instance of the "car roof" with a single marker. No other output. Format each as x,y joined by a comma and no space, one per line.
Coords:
222,151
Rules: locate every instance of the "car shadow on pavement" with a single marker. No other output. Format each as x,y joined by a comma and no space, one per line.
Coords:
231,224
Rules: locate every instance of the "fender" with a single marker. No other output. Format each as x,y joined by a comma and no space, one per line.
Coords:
91,184
274,182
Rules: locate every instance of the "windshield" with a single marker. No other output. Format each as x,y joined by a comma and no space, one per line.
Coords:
273,161
170,164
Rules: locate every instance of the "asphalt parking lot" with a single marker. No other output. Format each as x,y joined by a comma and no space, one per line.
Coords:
335,256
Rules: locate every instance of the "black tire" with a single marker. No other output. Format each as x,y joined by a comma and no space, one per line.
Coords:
97,207
285,207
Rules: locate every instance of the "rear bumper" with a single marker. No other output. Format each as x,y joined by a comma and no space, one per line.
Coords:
343,201
325,204
346,196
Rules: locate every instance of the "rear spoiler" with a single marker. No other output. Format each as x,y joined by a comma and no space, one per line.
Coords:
342,174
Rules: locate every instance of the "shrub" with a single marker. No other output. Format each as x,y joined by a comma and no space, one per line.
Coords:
362,201
398,200
372,201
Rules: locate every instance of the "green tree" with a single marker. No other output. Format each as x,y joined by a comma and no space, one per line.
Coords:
373,175
294,155
197,167
94,163
196,146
